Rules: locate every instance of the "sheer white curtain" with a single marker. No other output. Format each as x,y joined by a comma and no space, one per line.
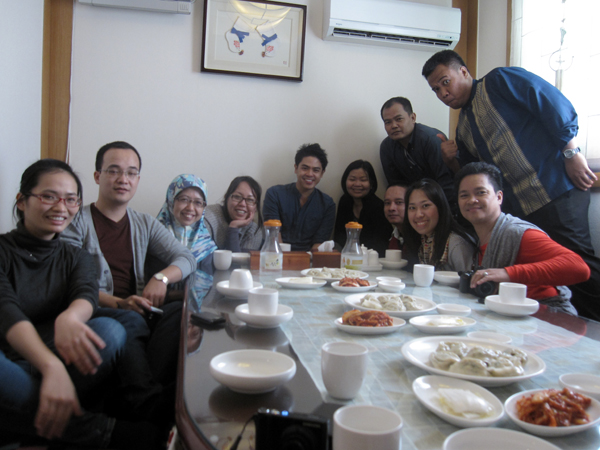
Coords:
536,46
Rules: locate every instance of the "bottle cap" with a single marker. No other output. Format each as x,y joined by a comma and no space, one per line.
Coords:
273,223
354,225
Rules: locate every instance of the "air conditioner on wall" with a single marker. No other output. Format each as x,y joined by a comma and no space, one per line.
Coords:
392,23
166,6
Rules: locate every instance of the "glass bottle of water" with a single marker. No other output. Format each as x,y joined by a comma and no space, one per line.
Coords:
352,255
271,256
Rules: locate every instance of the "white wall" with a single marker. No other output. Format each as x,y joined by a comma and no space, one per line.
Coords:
21,29
493,16
136,77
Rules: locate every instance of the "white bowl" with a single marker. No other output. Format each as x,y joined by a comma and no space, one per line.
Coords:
418,350
542,430
241,258
388,279
426,390
447,278
495,439
584,383
391,286
337,287
237,293
453,309
442,324
393,264
511,309
490,336
252,371
283,315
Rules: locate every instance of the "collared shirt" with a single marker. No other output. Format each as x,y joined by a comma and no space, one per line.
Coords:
300,226
520,123
422,158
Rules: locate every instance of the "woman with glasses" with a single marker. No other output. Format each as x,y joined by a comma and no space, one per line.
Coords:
431,235
231,224
54,357
183,215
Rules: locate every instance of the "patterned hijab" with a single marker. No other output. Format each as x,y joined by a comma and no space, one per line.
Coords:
195,237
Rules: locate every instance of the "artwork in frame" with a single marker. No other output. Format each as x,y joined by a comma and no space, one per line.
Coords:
263,39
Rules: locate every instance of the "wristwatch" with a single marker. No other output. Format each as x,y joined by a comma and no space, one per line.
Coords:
570,152
161,277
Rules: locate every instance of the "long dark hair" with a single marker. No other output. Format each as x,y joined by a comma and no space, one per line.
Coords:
31,178
256,190
367,167
446,223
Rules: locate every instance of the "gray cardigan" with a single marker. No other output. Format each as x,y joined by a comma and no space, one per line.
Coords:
148,236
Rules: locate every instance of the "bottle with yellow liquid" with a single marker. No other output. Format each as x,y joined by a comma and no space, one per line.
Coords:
352,255
271,255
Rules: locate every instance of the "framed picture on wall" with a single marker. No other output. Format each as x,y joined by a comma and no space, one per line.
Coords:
263,39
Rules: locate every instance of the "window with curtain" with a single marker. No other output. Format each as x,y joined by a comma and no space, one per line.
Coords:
559,40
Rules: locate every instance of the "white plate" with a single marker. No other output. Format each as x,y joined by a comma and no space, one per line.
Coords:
237,293
337,287
286,283
542,430
426,390
453,309
417,352
584,383
428,305
447,278
490,336
357,274
442,324
240,258
495,439
283,315
393,264
511,309
370,330
252,371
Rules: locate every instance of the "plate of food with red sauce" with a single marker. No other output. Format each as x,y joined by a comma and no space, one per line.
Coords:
368,322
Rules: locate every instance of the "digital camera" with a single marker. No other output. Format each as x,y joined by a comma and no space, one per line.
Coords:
283,430
481,291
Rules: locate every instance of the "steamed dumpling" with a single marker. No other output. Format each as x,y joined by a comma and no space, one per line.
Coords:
442,359
484,354
459,348
504,367
470,366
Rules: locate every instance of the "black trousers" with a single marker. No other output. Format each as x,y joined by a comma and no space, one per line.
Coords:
565,219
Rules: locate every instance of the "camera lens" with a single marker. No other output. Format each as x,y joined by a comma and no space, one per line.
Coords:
485,289
298,438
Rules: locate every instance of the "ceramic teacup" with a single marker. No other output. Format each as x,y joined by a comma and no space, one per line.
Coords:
393,255
285,247
343,366
222,259
366,427
263,301
423,274
512,292
241,279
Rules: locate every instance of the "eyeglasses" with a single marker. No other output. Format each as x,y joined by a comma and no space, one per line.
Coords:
48,199
116,173
186,201
238,199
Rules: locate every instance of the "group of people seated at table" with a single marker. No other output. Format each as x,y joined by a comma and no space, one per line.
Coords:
90,296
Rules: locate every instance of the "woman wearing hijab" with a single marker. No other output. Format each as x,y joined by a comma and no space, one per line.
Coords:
183,215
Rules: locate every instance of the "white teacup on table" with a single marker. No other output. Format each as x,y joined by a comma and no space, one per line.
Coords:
393,255
222,259
343,366
366,427
285,247
241,279
263,301
512,292
423,274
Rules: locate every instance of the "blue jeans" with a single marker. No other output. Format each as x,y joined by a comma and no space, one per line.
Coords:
20,392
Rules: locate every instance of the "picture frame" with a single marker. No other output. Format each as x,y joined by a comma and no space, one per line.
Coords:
254,38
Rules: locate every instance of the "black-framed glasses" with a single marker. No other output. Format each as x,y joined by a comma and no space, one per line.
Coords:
250,201
186,201
131,174
49,199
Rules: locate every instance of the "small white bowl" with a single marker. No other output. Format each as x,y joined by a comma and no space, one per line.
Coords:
584,383
510,406
237,293
495,439
447,278
490,336
252,371
453,309
284,314
391,286
388,279
526,308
